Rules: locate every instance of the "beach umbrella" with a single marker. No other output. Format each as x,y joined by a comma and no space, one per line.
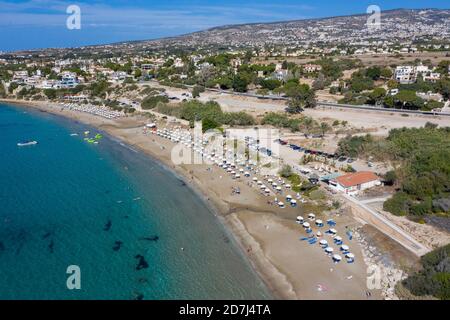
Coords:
323,242
344,247
329,249
337,258
306,225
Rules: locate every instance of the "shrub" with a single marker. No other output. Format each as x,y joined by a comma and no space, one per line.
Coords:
151,102
286,171
398,204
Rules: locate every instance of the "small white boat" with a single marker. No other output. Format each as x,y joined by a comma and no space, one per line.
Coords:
27,143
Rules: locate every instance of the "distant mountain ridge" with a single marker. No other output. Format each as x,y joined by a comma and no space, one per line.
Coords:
397,25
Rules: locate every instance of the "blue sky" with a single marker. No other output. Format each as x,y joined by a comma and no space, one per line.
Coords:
28,24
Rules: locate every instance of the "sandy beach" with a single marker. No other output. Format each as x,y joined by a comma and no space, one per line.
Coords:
268,236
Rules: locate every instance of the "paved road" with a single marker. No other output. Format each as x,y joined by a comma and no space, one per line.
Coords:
445,113
373,200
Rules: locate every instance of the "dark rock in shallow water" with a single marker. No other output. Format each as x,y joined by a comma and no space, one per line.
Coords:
142,264
45,236
138,296
51,245
143,280
117,245
107,226
152,238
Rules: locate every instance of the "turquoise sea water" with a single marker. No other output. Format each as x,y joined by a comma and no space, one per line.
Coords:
66,202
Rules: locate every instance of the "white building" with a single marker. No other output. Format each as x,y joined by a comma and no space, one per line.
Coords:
353,183
69,80
405,74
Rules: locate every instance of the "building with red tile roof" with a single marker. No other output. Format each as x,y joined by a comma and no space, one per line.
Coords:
352,183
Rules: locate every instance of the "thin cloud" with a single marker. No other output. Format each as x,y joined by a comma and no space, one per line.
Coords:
51,13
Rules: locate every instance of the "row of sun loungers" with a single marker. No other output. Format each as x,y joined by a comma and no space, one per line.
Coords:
101,111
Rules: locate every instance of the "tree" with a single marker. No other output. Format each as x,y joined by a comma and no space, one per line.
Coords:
377,95
197,90
240,83
50,93
443,86
225,83
431,105
209,124
137,73
386,73
373,73
390,178
2,90
300,96
13,86
320,82
392,84
168,63
286,171
270,84
408,99
151,101
324,128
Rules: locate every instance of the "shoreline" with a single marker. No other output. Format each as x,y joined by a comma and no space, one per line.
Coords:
247,222
232,226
